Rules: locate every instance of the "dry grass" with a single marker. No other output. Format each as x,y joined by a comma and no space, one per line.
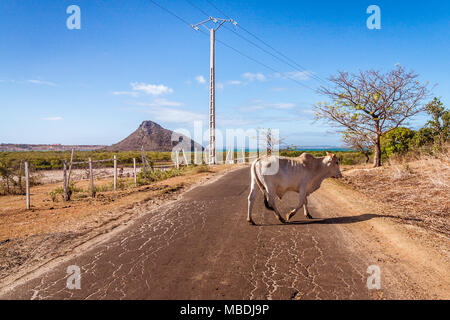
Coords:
416,188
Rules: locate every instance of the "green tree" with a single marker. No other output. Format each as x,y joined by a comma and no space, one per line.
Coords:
396,141
424,136
439,123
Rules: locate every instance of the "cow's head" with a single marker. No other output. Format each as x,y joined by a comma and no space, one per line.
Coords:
333,165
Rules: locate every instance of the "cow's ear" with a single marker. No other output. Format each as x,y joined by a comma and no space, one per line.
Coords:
328,154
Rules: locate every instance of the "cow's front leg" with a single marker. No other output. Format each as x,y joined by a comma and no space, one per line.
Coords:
301,203
306,209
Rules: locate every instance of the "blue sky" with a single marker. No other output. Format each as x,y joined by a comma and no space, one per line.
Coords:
132,61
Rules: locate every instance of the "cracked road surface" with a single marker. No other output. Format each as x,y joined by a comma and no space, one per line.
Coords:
201,247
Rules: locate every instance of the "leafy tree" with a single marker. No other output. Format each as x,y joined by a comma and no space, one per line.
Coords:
439,123
396,141
424,136
372,103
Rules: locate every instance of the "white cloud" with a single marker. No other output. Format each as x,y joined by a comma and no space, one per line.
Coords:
41,82
277,89
234,82
31,81
167,103
125,93
52,118
297,75
172,115
254,76
282,105
160,103
200,79
162,110
259,105
152,89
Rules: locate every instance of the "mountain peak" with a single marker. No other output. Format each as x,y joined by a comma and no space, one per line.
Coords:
153,137
149,124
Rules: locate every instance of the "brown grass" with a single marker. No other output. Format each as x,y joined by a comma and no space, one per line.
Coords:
416,188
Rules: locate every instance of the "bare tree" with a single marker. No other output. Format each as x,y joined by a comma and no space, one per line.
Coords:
272,141
358,142
372,103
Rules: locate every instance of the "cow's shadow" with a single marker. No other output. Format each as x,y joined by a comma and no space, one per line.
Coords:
338,220
333,220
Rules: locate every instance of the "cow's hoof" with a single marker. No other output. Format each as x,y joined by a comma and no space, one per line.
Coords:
250,222
309,216
282,220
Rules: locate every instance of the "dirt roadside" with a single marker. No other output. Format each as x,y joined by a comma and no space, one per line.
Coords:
415,261
52,230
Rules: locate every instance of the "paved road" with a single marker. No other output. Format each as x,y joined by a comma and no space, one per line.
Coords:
202,248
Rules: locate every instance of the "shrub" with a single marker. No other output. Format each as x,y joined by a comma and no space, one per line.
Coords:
200,169
12,177
157,175
396,141
72,189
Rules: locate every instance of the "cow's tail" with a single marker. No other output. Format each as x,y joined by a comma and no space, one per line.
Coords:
260,185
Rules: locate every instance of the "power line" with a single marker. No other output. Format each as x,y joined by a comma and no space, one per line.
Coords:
269,46
253,43
242,37
170,12
229,46
264,65
212,4
201,10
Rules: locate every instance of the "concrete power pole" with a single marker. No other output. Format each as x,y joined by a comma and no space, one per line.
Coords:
212,82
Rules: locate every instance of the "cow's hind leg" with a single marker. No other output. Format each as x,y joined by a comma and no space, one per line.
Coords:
251,201
271,202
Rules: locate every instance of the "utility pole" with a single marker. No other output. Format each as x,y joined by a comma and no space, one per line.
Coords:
212,83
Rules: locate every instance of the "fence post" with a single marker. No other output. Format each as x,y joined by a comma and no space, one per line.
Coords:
70,168
143,161
65,180
91,177
27,185
184,157
115,172
134,167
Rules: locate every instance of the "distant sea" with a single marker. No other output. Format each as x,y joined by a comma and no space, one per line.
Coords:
306,148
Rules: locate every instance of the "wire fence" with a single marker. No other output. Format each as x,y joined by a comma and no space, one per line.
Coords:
93,170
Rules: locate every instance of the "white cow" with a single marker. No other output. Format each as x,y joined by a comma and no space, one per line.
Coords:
303,175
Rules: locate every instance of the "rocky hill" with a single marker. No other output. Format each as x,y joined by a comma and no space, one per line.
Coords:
154,138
